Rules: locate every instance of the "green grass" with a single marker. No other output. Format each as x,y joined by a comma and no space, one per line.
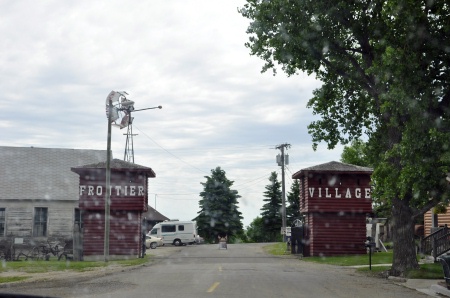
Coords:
426,271
33,266
354,260
376,271
277,249
12,279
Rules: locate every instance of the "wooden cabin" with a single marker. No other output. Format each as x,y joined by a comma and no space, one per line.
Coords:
335,199
39,194
432,221
128,202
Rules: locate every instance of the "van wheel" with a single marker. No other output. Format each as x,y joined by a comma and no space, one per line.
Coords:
153,245
177,242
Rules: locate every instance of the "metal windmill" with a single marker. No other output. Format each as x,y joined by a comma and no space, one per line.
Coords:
121,117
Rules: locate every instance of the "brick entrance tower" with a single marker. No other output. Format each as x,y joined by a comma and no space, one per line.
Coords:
129,199
335,199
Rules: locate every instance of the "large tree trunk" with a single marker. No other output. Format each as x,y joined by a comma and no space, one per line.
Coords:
403,237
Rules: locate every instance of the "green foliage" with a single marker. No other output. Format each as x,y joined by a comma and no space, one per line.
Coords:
271,210
384,66
241,238
355,154
219,214
440,208
256,231
293,201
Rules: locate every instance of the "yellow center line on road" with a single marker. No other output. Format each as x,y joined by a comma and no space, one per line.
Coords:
213,287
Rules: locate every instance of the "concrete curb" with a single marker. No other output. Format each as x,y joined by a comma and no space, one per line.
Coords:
443,291
430,287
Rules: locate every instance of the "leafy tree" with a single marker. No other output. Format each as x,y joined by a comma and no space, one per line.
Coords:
256,231
355,154
385,70
293,200
271,210
219,214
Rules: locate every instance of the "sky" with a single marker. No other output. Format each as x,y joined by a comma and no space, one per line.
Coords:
59,60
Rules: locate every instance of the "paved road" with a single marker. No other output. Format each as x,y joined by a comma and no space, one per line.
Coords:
243,270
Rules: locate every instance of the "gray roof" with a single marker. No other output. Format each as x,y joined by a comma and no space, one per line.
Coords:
117,164
29,173
335,167
153,215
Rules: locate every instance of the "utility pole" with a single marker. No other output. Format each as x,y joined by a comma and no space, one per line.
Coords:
283,160
107,185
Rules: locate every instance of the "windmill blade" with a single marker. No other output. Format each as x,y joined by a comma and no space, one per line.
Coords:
125,121
114,113
113,96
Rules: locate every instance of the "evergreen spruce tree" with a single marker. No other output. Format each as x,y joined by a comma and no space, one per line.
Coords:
293,199
271,210
219,214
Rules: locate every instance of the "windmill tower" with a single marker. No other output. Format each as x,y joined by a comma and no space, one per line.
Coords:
129,147
121,117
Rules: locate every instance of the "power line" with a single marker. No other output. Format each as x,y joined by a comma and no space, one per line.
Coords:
225,148
173,155
254,180
181,194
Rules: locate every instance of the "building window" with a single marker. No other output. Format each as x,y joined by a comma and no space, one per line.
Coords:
78,221
40,222
2,222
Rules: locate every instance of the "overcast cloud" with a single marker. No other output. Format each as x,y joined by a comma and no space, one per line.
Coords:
60,59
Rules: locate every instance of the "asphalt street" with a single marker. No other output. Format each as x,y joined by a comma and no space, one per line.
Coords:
242,270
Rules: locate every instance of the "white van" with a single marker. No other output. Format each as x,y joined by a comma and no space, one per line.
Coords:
176,232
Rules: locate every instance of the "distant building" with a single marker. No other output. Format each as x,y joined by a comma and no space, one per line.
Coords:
434,221
39,193
152,217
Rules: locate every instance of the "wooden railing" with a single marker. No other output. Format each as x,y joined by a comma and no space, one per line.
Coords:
437,243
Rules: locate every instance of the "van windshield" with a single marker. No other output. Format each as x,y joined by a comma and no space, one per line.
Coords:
154,232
